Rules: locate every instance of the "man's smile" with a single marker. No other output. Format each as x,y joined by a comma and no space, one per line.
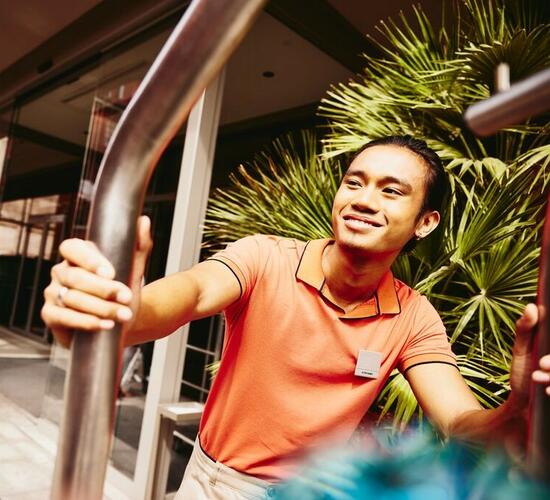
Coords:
360,222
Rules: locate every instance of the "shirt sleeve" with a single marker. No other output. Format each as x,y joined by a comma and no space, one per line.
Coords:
244,258
428,342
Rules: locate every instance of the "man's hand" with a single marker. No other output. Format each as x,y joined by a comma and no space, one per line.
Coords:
447,400
542,374
522,372
83,294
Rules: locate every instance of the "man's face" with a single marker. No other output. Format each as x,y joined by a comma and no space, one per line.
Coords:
376,209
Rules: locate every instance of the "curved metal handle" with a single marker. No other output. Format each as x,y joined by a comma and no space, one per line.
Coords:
200,44
522,100
538,446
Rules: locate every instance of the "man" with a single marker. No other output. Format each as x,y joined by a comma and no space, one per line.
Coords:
313,330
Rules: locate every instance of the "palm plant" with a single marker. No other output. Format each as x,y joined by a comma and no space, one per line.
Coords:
480,267
287,190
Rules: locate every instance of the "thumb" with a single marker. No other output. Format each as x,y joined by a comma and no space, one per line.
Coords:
525,328
144,243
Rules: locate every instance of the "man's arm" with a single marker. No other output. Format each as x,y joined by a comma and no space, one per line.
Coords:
451,406
166,304
83,294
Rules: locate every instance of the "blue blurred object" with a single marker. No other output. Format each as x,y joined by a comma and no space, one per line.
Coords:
413,466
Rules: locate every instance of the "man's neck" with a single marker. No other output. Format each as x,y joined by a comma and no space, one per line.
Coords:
352,277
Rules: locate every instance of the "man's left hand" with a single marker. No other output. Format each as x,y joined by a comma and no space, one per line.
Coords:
522,372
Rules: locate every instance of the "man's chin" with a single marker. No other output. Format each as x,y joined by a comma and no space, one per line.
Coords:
357,245
363,247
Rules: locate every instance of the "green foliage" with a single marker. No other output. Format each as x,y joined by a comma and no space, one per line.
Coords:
287,190
480,267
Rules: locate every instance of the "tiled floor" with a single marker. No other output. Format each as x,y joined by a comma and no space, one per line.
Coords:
17,347
25,466
27,448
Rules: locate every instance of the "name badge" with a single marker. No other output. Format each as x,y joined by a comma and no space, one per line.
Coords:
368,364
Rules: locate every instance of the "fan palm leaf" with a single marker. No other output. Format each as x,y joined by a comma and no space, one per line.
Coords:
286,190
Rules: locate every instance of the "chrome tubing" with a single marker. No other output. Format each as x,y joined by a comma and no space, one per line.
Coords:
538,441
522,100
202,41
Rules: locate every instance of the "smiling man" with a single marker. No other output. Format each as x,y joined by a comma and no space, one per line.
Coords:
313,330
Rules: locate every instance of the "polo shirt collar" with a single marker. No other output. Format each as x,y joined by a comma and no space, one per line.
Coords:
310,271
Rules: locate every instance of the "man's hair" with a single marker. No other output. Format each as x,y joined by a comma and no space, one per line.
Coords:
436,180
436,183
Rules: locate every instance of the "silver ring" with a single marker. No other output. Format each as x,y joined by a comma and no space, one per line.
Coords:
61,292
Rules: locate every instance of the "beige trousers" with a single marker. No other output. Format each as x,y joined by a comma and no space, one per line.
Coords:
205,479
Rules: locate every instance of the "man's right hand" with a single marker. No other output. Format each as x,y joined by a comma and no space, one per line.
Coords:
83,294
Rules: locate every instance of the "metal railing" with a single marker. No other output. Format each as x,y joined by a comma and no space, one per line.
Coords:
197,49
508,107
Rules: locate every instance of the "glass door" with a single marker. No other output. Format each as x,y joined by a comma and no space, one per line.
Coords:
38,253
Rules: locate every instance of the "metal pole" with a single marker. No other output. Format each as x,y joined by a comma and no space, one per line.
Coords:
508,107
24,252
522,100
36,277
202,41
502,77
538,447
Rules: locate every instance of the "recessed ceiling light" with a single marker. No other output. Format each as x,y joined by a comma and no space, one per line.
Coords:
268,74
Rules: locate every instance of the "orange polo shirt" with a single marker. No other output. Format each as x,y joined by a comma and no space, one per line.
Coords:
287,374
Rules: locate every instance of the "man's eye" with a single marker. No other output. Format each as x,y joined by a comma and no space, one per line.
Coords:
392,191
353,183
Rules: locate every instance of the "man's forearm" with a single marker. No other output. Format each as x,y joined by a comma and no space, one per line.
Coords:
204,290
165,305
504,425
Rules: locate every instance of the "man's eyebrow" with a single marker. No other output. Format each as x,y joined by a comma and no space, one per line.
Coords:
357,172
388,179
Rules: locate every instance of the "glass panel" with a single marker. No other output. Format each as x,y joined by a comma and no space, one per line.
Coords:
9,242
44,205
30,230
137,360
57,143
181,452
15,210
9,239
3,152
204,346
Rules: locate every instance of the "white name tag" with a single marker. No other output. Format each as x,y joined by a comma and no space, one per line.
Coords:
368,364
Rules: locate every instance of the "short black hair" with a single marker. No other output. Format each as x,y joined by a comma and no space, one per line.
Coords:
437,182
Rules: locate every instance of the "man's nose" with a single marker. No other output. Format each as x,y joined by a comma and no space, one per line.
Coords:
366,199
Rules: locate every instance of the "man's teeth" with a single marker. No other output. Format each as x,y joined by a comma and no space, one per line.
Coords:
360,222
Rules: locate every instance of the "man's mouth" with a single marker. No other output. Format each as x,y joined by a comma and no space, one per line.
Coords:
360,222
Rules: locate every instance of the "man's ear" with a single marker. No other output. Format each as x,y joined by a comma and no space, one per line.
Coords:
427,222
